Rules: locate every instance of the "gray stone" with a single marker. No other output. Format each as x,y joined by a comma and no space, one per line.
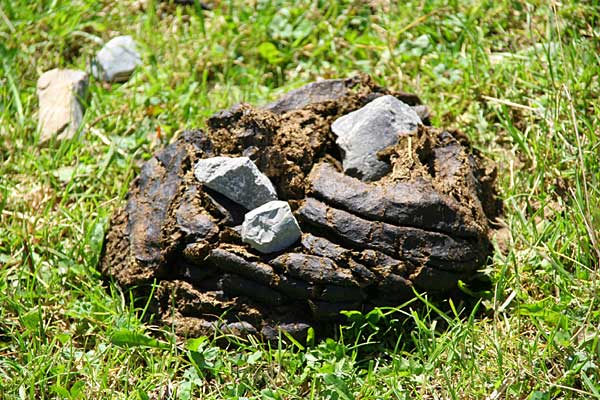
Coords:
423,112
370,129
270,227
236,178
60,93
116,61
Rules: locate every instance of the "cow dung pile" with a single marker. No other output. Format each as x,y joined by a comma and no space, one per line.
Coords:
337,196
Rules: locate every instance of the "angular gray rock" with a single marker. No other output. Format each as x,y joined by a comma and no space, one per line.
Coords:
271,227
240,329
236,178
370,129
60,93
116,61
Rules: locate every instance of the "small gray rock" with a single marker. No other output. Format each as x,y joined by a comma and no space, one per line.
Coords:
60,93
370,129
117,60
236,178
270,227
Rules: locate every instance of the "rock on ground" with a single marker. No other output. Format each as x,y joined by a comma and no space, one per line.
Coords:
61,93
364,132
236,178
116,61
271,227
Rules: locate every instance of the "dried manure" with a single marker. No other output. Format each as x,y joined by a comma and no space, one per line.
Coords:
365,242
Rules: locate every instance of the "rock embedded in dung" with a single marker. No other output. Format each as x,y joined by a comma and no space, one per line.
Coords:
116,61
271,227
236,178
60,93
361,134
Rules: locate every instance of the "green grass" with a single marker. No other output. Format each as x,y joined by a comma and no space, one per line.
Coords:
521,79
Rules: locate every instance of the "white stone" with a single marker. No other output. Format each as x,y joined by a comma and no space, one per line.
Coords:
60,93
236,178
116,61
361,134
270,227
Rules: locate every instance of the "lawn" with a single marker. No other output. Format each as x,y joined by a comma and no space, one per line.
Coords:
519,78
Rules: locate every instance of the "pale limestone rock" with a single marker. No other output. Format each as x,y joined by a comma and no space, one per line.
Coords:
61,93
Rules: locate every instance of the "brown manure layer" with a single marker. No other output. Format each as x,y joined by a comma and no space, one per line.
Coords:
424,225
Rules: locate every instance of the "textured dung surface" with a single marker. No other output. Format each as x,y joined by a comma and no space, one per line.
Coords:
424,225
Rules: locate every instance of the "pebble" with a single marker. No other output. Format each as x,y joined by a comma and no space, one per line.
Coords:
60,93
236,178
116,61
361,134
270,227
